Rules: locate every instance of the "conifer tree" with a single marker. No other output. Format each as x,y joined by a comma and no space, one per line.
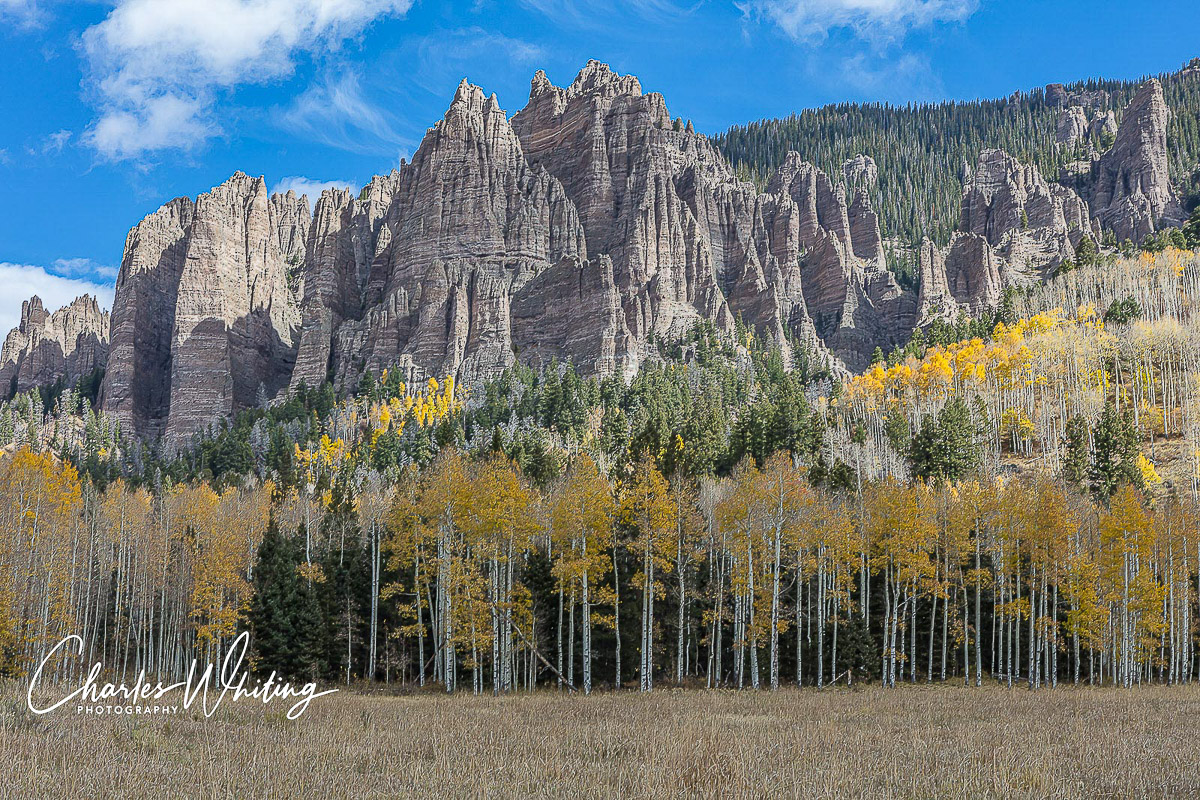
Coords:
1114,463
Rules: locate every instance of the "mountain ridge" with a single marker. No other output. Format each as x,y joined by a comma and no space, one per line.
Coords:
583,228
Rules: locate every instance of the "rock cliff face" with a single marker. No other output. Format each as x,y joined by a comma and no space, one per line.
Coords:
1129,188
137,383
236,320
470,224
654,197
343,240
1072,126
855,303
68,344
688,240
204,322
1103,124
584,228
1014,228
1033,224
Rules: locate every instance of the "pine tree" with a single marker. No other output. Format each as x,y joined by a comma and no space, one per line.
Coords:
284,620
944,448
1116,450
1075,458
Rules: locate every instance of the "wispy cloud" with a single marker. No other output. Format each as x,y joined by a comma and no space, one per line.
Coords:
22,281
446,57
55,142
336,111
872,20
156,69
84,268
907,77
22,13
310,187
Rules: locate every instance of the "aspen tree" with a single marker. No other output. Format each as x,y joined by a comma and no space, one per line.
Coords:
584,511
648,510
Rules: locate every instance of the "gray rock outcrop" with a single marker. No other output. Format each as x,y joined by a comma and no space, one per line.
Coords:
1129,188
68,344
204,322
1033,224
588,227
1103,124
1071,127
1015,228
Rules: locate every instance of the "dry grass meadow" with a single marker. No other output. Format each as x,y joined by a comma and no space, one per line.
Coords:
911,742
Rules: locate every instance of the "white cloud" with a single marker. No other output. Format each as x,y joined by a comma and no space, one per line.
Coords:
877,20
158,66
336,112
84,267
165,122
310,187
22,281
909,77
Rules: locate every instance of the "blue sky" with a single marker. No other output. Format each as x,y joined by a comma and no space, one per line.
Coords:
108,110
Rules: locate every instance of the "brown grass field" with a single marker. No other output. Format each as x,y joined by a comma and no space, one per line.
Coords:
911,742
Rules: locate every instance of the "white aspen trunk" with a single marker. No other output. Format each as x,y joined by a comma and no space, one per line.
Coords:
679,568
497,649
1054,639
647,611
509,661
1032,629
375,570
932,628
571,642
887,629
833,658
912,637
775,582
446,615
559,637
587,634
799,638
616,616
978,614
821,617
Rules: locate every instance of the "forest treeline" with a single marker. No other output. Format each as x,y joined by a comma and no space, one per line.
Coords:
1012,497
923,150
465,575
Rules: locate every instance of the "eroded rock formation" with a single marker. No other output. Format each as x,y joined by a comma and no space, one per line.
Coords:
585,228
44,347
205,322
1129,188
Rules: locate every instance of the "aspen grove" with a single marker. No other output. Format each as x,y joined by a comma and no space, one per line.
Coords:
1011,499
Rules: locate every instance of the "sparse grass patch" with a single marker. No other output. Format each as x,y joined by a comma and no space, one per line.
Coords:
939,741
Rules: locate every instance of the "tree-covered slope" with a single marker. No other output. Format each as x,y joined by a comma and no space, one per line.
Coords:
923,149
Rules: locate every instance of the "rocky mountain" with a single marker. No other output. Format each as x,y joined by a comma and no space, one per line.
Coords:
587,227
921,148
44,347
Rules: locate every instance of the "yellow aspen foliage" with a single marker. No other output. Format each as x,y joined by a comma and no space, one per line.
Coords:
1146,468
